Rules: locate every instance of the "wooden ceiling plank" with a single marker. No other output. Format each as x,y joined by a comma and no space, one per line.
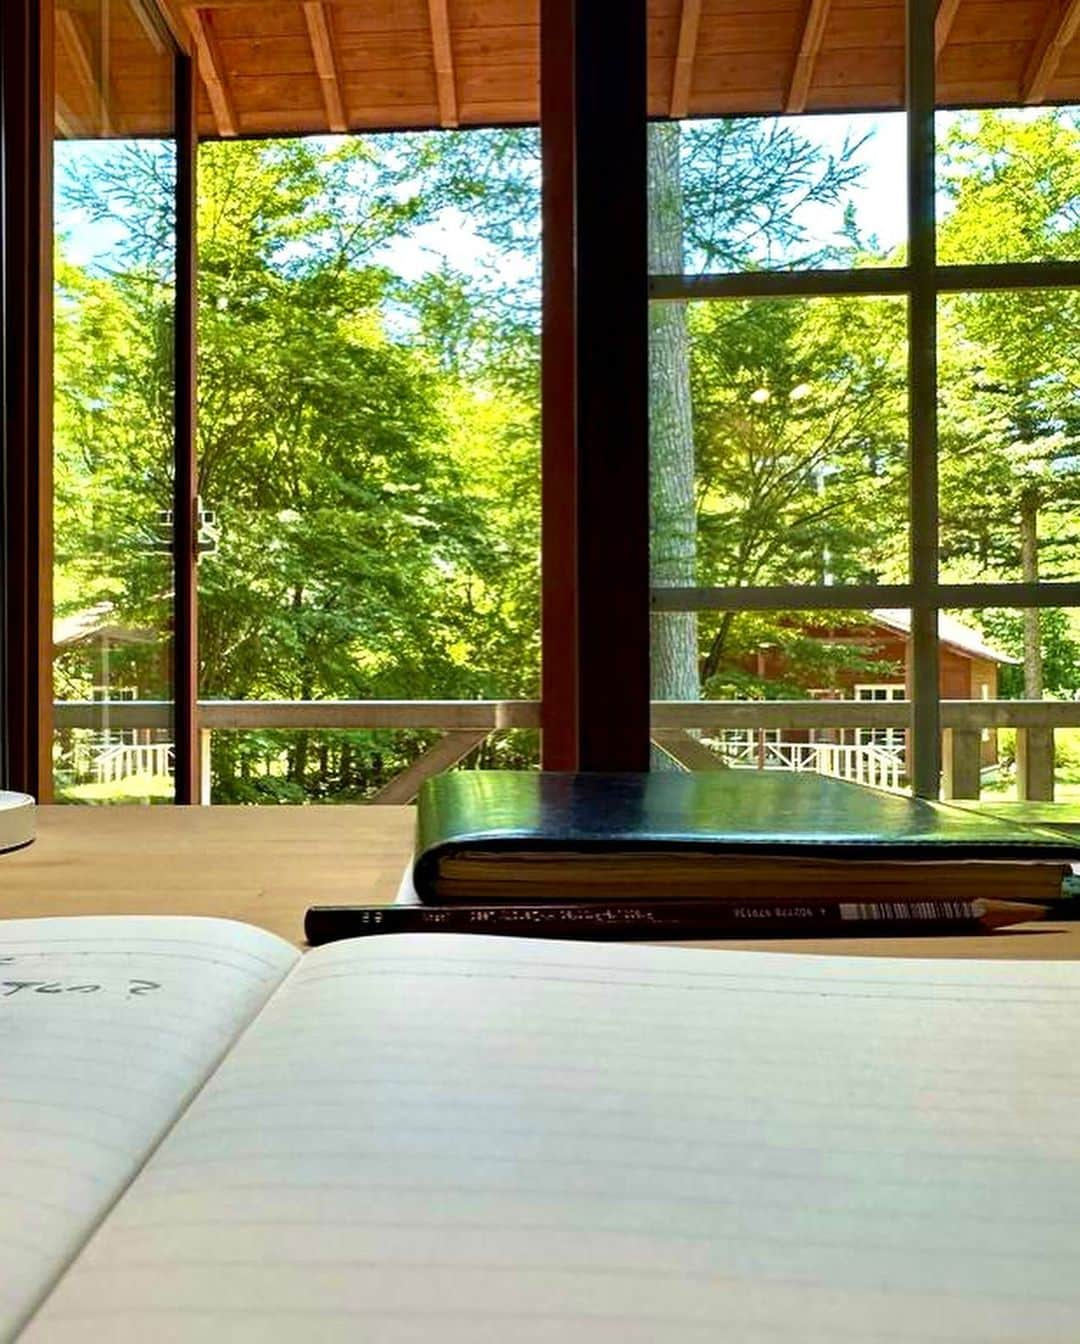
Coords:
320,32
689,25
212,71
445,83
1059,28
803,73
943,22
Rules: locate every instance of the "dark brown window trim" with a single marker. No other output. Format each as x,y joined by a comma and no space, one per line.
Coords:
25,648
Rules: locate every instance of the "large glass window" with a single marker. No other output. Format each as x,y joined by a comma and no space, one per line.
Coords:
864,457
369,450
114,303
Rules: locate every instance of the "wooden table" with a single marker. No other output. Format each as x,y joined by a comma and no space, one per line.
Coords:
266,865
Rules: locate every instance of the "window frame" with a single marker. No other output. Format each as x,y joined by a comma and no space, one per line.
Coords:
920,281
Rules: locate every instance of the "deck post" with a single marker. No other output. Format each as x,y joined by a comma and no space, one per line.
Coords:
1035,765
962,763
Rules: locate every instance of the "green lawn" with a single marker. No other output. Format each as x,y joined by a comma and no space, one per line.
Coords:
140,789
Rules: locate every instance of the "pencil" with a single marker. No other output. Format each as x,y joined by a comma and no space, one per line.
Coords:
624,921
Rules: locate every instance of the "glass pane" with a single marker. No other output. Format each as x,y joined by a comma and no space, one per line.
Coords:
740,176
1009,185
1009,434
848,666
778,440
1018,655
777,193
369,424
115,173
279,766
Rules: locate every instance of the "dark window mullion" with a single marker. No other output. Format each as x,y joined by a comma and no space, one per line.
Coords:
922,401
185,521
611,362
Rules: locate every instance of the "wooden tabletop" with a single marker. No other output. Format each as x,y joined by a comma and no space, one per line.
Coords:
266,865
262,865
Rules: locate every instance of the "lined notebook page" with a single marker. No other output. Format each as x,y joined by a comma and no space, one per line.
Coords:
107,1027
460,1139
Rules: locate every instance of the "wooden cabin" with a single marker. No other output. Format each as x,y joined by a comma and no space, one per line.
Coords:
968,670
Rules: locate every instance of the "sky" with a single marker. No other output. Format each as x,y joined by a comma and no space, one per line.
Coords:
879,200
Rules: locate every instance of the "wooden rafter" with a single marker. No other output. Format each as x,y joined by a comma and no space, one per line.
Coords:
86,82
943,22
444,62
320,34
809,47
1058,30
67,124
689,24
146,16
172,12
212,70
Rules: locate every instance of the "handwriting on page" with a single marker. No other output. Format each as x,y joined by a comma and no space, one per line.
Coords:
131,989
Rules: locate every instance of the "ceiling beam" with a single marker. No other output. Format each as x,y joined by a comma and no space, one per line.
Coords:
943,22
813,32
444,62
151,24
212,70
1058,30
689,24
320,33
172,11
66,122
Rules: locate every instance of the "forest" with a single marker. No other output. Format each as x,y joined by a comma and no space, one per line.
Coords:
369,421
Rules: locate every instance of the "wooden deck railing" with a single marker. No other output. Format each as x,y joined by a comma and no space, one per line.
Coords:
465,724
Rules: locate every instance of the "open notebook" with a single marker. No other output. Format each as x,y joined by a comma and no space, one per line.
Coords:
206,1137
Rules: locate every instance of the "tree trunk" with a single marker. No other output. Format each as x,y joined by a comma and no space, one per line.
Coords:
1029,573
673,516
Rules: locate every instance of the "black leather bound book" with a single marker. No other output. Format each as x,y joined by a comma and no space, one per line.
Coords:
507,835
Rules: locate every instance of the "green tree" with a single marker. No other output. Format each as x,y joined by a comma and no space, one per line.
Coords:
1010,369
356,477
799,446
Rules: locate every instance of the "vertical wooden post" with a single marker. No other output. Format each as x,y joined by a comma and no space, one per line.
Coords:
611,349
26,46
595,352
1035,764
925,766
203,763
185,689
559,620
962,763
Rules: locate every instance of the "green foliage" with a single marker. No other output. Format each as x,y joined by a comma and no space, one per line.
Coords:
1060,637
368,438
1010,366
376,500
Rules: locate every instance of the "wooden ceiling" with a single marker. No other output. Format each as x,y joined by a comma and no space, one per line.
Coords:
295,66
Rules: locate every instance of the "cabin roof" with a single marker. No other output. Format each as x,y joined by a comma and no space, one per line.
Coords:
286,67
951,632
96,623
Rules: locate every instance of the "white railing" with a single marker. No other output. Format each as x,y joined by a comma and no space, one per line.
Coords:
877,767
864,763
129,760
